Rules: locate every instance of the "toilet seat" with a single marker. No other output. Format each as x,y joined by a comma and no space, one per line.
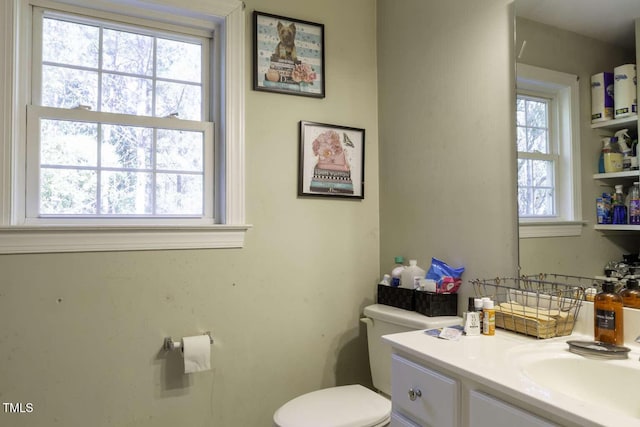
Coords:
344,406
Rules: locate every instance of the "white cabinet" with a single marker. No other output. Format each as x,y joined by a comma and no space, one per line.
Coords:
424,397
487,411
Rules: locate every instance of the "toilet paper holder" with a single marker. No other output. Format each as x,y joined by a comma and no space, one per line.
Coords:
170,344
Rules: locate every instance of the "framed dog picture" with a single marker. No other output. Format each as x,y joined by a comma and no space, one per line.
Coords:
288,55
331,161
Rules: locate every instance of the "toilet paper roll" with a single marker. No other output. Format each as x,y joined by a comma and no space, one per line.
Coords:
624,91
601,97
197,353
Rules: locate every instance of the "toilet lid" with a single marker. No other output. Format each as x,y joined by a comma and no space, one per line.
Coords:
345,406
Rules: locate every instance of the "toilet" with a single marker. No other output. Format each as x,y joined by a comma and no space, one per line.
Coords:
356,405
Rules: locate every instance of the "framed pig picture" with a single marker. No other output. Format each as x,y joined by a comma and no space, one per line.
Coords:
331,162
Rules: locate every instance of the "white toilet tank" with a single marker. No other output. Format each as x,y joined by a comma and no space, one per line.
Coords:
383,320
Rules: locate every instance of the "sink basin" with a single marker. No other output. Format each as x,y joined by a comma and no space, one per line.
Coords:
609,384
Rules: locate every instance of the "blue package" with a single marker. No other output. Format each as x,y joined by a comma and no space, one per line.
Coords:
447,278
603,211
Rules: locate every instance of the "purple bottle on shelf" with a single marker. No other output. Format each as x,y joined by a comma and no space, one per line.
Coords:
634,204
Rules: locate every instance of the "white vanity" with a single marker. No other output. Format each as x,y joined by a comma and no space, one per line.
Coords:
511,380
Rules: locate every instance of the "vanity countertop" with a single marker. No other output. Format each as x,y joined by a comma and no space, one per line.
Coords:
491,361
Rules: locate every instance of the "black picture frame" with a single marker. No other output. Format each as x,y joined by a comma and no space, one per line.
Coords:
288,56
331,161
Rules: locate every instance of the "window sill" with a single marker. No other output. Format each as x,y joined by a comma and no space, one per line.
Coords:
528,230
23,240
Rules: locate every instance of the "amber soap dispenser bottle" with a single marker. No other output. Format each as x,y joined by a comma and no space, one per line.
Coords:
608,322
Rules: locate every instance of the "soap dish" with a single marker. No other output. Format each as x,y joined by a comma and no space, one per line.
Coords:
599,350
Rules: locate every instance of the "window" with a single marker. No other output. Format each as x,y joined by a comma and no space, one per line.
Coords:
537,158
117,124
547,140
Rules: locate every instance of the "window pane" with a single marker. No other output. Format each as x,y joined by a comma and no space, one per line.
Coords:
543,202
180,150
524,201
537,141
69,43
521,118
536,188
542,173
126,193
67,191
179,194
67,87
127,52
179,61
68,143
126,95
521,135
186,100
532,124
536,113
126,147
524,173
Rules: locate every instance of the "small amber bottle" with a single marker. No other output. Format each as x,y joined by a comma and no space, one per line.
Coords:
631,294
488,318
608,321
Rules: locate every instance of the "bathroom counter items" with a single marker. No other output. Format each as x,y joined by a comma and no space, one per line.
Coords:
498,372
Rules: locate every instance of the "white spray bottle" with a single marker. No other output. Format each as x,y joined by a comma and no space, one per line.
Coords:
622,137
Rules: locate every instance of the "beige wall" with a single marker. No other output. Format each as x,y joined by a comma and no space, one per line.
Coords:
80,334
445,72
560,50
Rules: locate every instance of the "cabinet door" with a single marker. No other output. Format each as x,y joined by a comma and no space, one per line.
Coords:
425,396
487,411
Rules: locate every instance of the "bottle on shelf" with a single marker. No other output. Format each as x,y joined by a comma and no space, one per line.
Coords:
634,204
624,141
612,157
619,208
608,312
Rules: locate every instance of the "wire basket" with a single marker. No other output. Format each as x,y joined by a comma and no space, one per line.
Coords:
533,306
592,285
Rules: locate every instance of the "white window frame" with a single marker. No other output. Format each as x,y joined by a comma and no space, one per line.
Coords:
227,19
563,90
553,154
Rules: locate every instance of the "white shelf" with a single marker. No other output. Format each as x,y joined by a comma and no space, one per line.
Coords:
617,175
615,124
616,227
